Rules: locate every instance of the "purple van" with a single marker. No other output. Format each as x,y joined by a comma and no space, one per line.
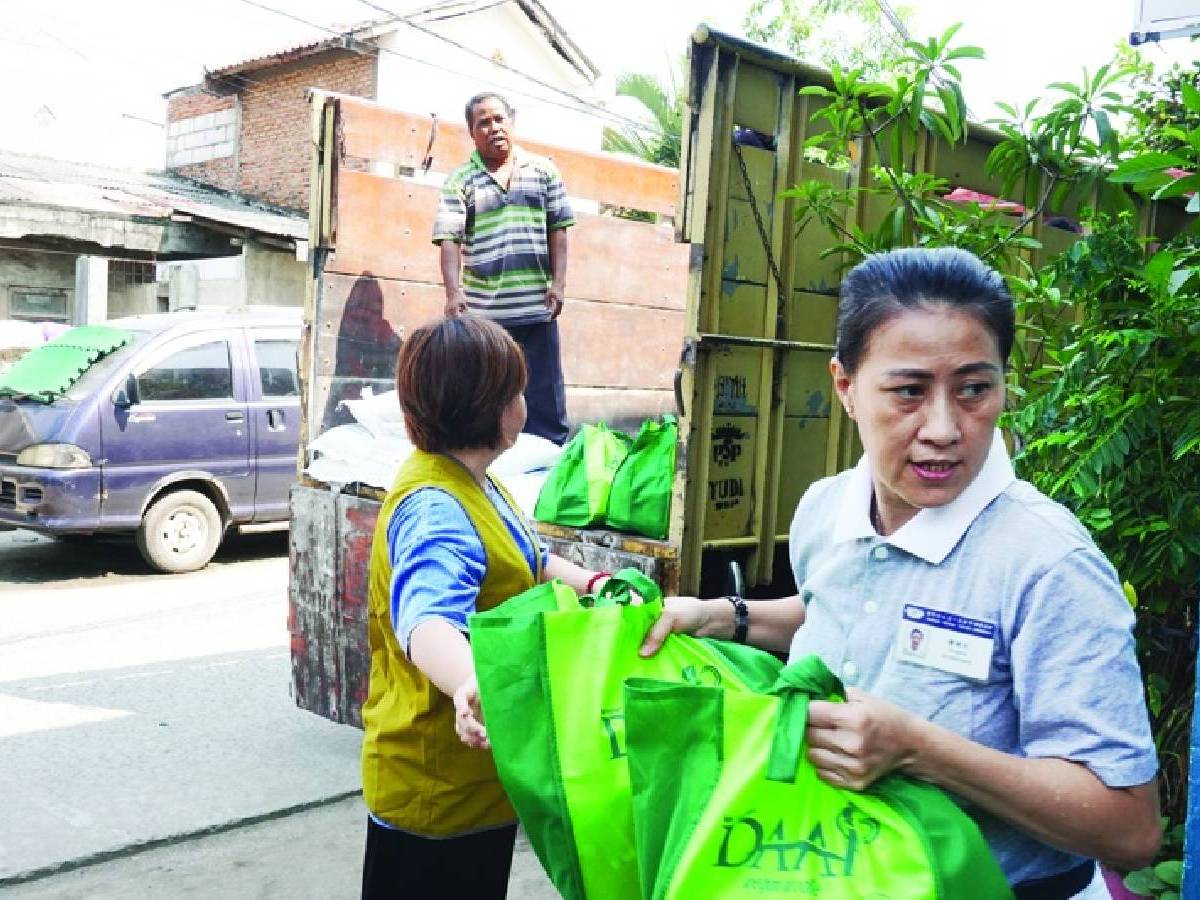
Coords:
188,429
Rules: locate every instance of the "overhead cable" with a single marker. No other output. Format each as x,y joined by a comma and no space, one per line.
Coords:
396,17
578,105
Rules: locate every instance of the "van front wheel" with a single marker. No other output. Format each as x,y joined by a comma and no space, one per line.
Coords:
180,532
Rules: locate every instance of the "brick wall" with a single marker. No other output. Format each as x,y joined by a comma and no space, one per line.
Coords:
198,145
275,155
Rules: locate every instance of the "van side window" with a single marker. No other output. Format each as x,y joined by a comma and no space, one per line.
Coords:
277,367
201,372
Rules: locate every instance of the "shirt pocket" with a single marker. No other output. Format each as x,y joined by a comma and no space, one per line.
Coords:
529,196
944,698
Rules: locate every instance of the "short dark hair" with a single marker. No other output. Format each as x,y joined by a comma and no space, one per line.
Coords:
454,378
885,284
479,98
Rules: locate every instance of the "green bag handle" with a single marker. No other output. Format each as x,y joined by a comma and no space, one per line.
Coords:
618,589
804,680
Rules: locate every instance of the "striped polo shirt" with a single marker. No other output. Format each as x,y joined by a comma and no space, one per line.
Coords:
504,234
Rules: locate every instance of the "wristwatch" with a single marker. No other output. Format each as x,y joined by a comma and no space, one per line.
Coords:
741,618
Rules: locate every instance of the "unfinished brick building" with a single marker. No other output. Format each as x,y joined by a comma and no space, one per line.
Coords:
245,128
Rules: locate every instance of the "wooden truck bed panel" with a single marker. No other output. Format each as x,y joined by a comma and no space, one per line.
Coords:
376,133
385,226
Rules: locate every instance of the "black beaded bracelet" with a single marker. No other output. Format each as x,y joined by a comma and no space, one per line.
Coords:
741,618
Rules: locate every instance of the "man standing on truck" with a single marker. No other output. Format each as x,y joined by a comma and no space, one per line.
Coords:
502,231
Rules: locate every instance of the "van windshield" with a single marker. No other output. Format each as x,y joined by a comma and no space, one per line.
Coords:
61,368
97,373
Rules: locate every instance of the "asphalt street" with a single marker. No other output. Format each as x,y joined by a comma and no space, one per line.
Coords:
148,742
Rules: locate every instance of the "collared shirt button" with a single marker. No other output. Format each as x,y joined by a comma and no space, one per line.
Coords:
880,552
870,607
849,670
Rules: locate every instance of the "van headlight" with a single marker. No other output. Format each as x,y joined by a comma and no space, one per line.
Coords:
54,456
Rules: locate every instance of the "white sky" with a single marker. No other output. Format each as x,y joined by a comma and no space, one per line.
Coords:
73,72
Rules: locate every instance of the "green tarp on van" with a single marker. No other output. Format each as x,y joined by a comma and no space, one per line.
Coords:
46,372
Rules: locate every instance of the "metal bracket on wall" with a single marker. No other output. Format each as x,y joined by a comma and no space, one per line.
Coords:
687,358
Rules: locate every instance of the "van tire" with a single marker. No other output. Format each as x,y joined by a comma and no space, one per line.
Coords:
180,532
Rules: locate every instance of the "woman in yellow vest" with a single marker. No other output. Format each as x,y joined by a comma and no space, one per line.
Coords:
449,541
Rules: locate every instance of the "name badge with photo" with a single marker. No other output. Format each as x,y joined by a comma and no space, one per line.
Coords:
946,641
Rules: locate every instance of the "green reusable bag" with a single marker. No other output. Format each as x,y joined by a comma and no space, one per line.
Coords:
551,668
576,491
726,804
640,499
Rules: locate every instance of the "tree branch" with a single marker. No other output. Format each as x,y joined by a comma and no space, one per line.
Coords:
904,197
1055,177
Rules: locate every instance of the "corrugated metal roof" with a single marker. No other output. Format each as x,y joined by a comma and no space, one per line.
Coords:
321,41
61,184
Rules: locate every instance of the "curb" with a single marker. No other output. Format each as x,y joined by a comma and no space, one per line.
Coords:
104,856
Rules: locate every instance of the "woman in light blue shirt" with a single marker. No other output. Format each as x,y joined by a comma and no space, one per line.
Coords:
983,638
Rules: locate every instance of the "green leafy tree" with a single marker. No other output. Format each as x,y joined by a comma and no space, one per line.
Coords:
854,34
1163,880
1059,154
1116,400
1111,428
1107,370
890,120
1162,174
659,141
1162,110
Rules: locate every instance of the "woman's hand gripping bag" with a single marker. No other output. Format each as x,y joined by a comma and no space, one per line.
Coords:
551,670
575,493
726,804
640,499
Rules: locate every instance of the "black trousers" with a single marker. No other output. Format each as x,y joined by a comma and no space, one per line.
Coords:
545,396
401,865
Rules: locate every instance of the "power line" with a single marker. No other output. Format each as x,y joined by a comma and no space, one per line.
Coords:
579,104
901,29
249,86
292,16
396,17
895,20
126,115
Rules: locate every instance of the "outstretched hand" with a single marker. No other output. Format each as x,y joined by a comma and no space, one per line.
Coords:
681,615
468,716
854,744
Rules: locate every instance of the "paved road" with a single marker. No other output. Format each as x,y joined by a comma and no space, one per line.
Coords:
311,855
30,560
134,707
148,743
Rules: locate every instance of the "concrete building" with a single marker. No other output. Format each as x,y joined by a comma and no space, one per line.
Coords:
81,243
